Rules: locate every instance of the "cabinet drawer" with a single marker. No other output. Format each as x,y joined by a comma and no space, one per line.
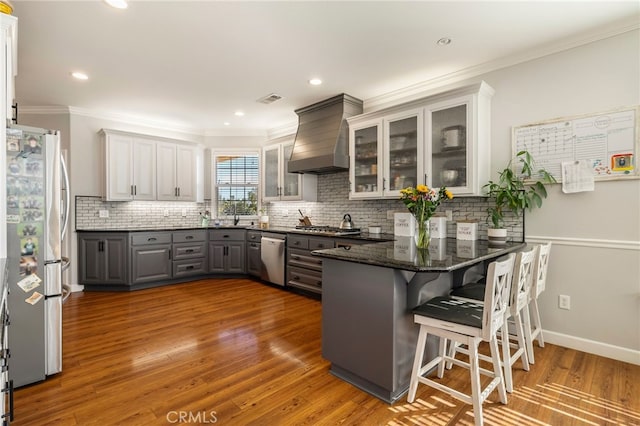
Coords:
227,235
321,243
183,268
189,236
295,241
304,259
189,250
254,236
301,278
146,238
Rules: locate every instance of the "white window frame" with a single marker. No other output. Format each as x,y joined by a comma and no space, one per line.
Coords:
214,183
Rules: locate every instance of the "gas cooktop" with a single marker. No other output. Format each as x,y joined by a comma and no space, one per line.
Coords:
327,230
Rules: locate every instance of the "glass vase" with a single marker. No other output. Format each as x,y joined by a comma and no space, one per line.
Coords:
423,238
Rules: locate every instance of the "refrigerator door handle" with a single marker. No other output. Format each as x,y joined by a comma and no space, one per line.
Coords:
67,197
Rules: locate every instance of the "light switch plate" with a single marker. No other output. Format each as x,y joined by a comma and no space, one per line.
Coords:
184,212
103,214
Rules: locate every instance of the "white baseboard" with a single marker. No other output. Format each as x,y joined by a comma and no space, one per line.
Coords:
593,347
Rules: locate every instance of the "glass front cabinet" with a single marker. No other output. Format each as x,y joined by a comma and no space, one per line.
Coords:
442,140
280,185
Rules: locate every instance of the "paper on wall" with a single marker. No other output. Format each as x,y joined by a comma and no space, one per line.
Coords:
577,176
34,298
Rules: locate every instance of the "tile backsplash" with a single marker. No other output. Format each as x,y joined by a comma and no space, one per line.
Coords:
333,203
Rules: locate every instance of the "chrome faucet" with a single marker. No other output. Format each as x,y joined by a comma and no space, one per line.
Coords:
236,218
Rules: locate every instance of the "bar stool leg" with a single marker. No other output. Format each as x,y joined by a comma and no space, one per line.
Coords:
528,337
476,389
417,363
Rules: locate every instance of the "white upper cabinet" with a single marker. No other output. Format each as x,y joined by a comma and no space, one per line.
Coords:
280,185
442,140
9,39
178,176
139,167
8,68
130,167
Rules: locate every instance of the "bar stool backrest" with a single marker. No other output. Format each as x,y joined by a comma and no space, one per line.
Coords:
540,270
522,280
496,295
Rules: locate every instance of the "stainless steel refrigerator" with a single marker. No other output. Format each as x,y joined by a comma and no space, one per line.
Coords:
34,260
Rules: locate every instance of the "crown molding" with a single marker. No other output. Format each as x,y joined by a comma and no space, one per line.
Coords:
435,85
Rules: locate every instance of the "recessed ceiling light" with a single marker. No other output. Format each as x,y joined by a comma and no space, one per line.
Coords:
118,4
226,123
238,113
315,82
444,41
79,75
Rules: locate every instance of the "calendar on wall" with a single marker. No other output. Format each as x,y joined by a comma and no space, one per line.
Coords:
607,141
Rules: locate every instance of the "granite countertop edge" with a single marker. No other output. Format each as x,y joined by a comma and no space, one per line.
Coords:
279,230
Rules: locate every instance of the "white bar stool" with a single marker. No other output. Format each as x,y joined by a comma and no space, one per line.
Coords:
519,294
468,323
538,286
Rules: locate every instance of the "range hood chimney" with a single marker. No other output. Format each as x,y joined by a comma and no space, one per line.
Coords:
322,139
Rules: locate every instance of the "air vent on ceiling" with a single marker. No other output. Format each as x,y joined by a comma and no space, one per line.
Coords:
269,99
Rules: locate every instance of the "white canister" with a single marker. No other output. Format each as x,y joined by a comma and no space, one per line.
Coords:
438,227
467,230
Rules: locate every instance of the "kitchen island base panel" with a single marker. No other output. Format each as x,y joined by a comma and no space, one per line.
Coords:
368,333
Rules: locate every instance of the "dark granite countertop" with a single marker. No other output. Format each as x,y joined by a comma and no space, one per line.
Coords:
446,254
279,230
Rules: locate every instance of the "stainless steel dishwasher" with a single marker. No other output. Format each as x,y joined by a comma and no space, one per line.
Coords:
272,256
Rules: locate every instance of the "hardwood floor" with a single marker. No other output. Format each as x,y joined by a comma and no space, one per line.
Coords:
237,352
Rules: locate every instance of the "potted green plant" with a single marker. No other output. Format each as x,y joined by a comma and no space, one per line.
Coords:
515,191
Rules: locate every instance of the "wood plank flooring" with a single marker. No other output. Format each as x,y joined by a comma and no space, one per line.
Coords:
238,352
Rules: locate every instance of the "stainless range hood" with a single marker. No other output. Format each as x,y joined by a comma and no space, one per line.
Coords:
322,139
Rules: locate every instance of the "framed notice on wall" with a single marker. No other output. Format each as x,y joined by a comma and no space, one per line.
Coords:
608,142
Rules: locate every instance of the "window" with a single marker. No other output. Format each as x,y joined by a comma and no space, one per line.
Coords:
236,183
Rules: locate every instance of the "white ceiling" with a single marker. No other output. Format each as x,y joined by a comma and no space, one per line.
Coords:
190,65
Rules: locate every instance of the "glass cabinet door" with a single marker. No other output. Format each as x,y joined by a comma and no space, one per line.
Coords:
366,153
449,142
271,173
290,180
402,153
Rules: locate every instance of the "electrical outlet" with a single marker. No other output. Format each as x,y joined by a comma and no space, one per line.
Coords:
449,214
166,212
184,212
285,213
564,302
103,214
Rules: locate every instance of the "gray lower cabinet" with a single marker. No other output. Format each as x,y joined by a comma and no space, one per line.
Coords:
189,253
227,251
254,258
304,270
103,258
150,257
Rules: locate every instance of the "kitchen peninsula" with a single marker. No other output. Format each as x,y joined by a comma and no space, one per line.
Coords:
369,290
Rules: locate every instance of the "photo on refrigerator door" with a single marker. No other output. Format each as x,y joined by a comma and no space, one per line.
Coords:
29,246
29,229
28,265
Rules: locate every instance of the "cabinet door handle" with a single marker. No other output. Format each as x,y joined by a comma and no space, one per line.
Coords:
295,257
319,283
384,183
151,239
189,267
131,190
189,250
178,191
425,179
225,236
100,245
320,245
189,237
296,277
135,190
297,243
